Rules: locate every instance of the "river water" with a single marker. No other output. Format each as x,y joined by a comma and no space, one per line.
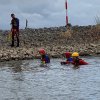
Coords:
26,80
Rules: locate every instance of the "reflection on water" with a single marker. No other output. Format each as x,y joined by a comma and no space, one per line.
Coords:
27,80
76,67
16,67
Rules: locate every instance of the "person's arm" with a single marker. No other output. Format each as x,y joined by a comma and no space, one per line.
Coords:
11,22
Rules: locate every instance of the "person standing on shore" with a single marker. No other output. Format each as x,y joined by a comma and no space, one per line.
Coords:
15,29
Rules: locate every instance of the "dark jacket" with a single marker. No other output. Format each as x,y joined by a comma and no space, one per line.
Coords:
15,23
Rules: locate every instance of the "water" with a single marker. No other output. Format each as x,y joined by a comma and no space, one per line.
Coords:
26,80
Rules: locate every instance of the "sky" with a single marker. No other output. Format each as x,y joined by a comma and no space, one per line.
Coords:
48,13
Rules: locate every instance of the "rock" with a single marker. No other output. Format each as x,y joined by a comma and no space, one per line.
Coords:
93,45
84,54
98,53
1,55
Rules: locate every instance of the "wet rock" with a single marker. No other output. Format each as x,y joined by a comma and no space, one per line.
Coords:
93,45
84,54
98,53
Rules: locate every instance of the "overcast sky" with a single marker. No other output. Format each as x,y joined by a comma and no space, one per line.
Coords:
48,13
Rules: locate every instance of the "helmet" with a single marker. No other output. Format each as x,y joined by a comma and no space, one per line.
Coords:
68,54
75,54
42,51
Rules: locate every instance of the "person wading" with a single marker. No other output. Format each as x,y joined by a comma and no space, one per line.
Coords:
15,29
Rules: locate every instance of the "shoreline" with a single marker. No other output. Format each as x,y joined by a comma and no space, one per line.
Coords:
25,54
18,59
55,40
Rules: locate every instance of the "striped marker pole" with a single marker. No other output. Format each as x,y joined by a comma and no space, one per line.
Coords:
66,6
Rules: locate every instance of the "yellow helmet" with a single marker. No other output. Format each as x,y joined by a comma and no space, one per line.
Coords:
75,54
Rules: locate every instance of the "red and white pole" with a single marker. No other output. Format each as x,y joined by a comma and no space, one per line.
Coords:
66,6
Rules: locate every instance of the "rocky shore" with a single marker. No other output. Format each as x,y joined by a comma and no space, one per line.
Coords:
56,41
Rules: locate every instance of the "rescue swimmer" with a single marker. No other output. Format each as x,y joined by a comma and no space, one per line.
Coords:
69,59
77,61
44,57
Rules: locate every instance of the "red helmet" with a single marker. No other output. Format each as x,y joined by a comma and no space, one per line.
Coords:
68,54
42,51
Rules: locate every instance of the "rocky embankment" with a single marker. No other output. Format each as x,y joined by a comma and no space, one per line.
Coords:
56,41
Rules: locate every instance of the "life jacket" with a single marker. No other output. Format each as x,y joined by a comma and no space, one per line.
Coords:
79,62
68,61
45,58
